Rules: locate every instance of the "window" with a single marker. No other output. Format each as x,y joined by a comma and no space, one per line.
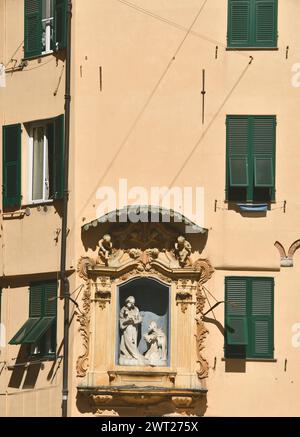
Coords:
47,157
39,331
46,166
45,26
249,317
250,174
252,23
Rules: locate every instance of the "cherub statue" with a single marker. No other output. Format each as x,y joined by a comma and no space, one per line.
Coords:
182,251
105,248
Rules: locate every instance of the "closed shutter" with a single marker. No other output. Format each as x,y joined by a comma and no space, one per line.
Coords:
33,28
236,311
60,24
261,332
266,23
50,303
36,297
237,151
239,13
264,151
11,137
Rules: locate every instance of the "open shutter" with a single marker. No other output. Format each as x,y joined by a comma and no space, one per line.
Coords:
239,23
237,151
60,24
264,151
33,28
236,311
266,23
55,132
11,140
262,342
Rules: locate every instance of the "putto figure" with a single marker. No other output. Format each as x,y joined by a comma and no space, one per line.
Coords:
130,318
183,251
105,248
156,354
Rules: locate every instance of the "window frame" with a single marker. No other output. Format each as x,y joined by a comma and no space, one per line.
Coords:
49,25
41,344
31,127
42,316
251,157
34,28
252,43
246,351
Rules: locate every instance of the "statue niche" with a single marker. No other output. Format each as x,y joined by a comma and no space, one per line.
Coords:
143,328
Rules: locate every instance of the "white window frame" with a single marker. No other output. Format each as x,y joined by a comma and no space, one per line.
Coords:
48,24
31,158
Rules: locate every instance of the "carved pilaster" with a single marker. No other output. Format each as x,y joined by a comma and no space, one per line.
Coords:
185,294
83,318
103,291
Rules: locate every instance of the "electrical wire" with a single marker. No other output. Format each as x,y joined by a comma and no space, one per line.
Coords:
204,289
199,141
144,107
12,56
177,25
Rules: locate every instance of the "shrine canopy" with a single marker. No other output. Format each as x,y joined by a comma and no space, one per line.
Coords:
145,214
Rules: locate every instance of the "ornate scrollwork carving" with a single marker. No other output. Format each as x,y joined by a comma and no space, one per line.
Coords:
84,320
201,330
84,263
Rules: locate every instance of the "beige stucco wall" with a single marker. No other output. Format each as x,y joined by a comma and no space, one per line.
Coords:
145,126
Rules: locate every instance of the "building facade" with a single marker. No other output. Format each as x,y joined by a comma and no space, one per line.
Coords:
175,309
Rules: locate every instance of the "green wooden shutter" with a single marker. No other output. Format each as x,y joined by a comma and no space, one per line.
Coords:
11,140
262,318
239,24
263,136
58,158
237,151
60,23
236,311
36,298
265,23
50,302
33,28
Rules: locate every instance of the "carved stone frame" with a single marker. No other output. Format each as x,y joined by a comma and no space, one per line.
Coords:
189,282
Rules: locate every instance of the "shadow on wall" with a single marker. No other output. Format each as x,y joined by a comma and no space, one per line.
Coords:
20,368
91,237
117,407
232,365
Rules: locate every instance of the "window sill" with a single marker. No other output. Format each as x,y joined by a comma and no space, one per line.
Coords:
263,360
33,203
232,49
32,58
